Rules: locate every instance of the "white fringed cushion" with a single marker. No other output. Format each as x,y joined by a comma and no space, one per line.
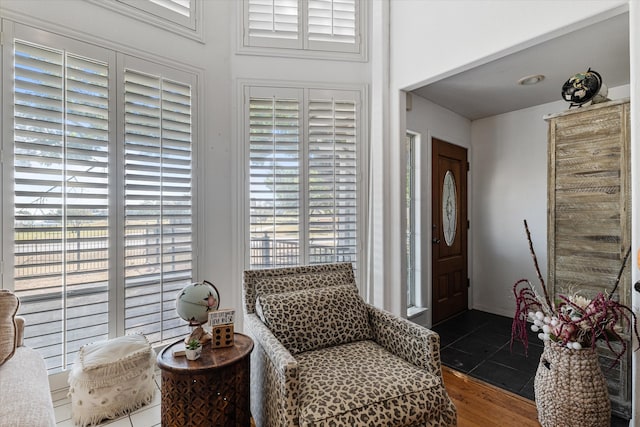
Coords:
111,378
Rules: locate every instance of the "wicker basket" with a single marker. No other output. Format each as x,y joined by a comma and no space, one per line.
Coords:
570,389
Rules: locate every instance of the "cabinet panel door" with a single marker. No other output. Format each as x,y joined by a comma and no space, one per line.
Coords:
589,221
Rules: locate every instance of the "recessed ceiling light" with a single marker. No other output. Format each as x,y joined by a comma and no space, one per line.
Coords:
531,80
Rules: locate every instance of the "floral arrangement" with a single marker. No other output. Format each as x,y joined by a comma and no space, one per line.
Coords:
572,321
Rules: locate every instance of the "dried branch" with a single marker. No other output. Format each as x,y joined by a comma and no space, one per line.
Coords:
535,263
624,264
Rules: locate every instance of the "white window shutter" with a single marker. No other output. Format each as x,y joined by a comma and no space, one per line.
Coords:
333,25
273,23
61,199
102,209
158,223
181,12
274,177
303,176
332,176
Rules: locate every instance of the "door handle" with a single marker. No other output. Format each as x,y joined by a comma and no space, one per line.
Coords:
636,286
436,241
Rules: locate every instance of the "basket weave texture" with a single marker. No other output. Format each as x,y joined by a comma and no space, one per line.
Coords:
570,389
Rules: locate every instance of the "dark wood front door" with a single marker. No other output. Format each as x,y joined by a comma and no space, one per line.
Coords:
449,231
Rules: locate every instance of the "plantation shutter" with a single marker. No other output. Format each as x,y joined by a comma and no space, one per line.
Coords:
181,12
332,177
158,212
273,23
61,198
303,176
320,25
332,25
274,177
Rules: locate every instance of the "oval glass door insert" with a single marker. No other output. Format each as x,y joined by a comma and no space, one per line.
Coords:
449,208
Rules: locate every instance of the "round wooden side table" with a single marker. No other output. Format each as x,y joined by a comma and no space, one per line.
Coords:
210,391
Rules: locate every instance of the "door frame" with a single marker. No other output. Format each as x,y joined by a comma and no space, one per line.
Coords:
425,197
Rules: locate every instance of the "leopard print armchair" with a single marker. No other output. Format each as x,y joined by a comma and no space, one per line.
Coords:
323,357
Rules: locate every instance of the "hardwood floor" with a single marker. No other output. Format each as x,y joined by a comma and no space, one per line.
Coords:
482,405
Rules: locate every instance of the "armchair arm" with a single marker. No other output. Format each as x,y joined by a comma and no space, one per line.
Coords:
414,343
274,385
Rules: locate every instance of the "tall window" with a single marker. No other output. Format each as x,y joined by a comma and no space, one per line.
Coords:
303,162
410,218
61,227
102,216
307,25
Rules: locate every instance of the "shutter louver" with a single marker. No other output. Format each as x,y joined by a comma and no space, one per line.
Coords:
274,163
158,203
332,180
61,196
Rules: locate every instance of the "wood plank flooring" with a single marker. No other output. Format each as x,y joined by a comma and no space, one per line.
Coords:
482,405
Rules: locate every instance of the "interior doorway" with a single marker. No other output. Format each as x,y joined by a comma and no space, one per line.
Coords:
450,280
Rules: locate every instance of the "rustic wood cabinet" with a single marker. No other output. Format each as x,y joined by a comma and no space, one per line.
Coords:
589,213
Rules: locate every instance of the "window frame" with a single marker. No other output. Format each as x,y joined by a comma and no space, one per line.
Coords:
410,221
44,36
420,295
243,175
322,50
158,16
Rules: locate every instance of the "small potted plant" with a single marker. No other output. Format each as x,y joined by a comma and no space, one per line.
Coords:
193,350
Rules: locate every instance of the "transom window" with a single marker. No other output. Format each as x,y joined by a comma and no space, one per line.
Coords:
183,17
320,26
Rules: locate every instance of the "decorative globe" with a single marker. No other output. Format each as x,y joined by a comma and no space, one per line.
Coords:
582,87
196,300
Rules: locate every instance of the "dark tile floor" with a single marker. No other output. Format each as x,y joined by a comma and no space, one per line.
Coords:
478,344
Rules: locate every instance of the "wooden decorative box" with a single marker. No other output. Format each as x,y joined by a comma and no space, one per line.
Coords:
222,335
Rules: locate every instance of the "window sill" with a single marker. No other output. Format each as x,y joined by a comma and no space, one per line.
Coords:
413,312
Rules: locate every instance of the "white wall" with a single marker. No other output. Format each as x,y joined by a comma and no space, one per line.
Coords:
438,38
510,185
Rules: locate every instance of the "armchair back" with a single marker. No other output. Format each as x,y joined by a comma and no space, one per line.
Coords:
287,279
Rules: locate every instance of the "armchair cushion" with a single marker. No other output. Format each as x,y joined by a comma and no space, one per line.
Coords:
8,329
362,384
311,319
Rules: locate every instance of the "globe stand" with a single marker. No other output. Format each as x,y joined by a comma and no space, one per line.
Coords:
198,333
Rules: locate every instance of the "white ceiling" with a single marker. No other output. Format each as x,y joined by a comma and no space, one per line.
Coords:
492,88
